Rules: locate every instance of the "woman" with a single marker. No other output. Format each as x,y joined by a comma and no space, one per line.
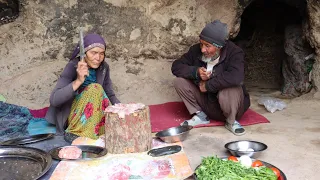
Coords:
83,91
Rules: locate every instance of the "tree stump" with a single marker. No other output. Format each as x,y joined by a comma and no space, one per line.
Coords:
131,134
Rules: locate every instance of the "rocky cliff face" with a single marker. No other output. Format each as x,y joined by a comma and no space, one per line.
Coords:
143,38
312,32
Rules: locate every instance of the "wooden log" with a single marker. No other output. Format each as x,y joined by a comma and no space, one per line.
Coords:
131,134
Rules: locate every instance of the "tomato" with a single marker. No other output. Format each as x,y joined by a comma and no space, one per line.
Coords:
232,158
276,171
257,163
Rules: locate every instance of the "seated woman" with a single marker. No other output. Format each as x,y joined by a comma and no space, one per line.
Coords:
82,92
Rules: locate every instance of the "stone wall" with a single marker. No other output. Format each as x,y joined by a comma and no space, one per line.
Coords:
143,38
313,34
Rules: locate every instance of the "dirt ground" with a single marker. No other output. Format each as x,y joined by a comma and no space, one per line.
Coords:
292,137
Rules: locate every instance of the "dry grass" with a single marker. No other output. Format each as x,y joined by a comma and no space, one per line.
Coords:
264,55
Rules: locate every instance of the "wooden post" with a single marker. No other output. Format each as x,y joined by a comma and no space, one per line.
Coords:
130,134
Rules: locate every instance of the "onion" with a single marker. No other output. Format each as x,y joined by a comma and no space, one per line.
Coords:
249,150
245,161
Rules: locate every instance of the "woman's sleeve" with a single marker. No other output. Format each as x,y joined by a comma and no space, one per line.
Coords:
63,90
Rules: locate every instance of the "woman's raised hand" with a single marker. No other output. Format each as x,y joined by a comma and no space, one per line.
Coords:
82,71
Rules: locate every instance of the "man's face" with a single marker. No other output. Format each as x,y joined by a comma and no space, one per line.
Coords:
94,57
207,49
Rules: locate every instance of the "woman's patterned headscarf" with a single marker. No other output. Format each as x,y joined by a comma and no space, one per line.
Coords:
90,41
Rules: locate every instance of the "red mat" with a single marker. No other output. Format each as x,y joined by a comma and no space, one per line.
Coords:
171,114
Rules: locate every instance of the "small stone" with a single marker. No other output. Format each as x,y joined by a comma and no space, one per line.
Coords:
135,34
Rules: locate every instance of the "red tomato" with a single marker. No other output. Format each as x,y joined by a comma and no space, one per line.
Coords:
232,158
276,171
257,163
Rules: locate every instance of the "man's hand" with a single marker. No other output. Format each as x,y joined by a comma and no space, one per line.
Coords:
204,75
202,86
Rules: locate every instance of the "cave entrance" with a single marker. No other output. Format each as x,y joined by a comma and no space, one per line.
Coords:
263,38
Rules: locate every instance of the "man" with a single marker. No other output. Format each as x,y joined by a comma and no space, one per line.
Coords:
210,79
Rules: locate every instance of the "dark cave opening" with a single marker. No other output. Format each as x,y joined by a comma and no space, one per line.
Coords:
262,37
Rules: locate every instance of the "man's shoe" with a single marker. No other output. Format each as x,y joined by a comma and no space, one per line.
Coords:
198,119
235,128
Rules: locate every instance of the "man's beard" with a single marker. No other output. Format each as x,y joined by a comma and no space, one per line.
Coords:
206,59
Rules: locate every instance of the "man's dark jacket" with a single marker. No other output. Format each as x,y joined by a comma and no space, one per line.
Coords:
229,72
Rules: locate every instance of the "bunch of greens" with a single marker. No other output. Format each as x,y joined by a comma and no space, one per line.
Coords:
214,168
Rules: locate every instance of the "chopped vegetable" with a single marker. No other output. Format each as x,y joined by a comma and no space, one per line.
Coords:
214,168
257,163
248,150
276,171
246,161
233,158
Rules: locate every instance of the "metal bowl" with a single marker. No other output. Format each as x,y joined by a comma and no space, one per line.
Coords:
239,148
174,134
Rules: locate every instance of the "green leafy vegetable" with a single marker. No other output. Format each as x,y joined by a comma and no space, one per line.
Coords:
214,168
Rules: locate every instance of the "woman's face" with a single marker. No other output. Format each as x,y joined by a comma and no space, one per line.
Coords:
94,57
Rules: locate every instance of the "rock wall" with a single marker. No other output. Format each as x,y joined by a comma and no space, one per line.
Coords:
143,38
312,32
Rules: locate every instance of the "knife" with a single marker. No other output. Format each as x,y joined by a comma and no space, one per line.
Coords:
164,151
81,46
82,54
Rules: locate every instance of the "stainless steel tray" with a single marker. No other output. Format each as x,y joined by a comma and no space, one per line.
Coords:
282,175
27,140
23,163
88,152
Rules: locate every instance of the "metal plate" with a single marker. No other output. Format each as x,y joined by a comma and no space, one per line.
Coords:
164,151
88,152
23,163
282,175
27,140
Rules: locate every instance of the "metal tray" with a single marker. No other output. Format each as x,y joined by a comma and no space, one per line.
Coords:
23,163
282,175
88,152
27,140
